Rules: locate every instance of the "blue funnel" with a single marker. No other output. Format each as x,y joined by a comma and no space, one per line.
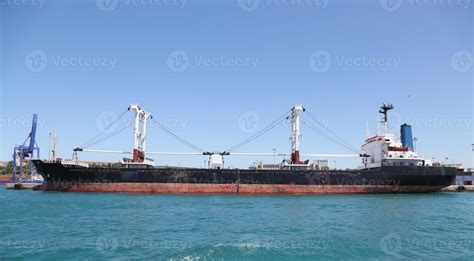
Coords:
407,137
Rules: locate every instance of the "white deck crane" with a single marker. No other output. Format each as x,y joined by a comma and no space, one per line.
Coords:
139,141
216,158
295,133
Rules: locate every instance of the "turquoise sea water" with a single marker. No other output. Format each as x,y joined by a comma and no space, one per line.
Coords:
55,225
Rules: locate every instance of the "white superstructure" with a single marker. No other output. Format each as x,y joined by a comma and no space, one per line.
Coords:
387,150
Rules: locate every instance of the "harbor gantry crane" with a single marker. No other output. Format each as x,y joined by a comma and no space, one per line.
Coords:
28,150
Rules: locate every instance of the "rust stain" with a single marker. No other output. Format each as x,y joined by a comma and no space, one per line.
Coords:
246,189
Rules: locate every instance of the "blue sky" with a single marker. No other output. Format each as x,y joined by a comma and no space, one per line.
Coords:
205,68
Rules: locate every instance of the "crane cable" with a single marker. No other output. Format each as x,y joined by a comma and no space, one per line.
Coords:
183,141
329,134
119,130
260,133
98,139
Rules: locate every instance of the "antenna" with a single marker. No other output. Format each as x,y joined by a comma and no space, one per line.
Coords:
378,124
367,131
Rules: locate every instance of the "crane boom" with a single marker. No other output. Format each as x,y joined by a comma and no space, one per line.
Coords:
257,154
260,154
102,151
177,153
129,153
331,155
32,135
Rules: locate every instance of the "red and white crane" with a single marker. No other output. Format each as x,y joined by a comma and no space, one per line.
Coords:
139,133
295,133
216,159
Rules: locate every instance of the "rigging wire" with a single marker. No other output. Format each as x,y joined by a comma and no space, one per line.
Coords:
329,134
322,130
94,139
325,135
106,137
183,141
260,133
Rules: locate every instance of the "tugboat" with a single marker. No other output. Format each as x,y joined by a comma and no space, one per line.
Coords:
389,165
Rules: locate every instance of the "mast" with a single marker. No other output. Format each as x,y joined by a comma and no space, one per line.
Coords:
145,116
295,133
139,132
384,111
367,131
53,142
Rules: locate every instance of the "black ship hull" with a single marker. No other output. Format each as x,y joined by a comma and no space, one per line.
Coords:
390,179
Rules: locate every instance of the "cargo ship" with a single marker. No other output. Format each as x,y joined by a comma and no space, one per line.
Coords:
389,165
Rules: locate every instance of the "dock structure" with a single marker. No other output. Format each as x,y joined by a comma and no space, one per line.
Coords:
466,178
459,188
23,185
